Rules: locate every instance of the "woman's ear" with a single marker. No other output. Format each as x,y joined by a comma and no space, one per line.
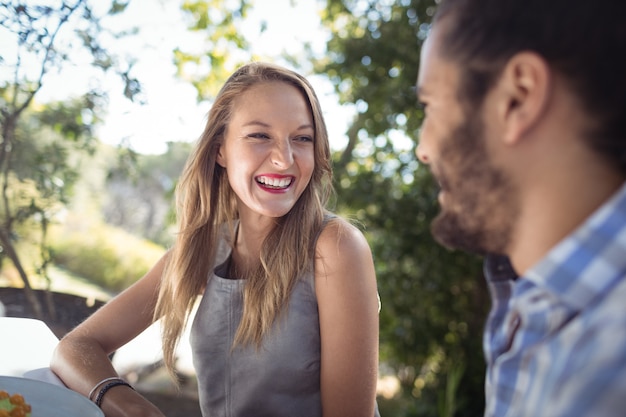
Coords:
525,86
221,161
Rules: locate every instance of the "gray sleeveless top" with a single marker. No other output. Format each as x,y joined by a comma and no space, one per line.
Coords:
282,378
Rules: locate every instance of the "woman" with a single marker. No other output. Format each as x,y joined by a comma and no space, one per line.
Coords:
288,321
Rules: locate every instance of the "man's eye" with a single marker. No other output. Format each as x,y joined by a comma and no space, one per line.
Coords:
421,105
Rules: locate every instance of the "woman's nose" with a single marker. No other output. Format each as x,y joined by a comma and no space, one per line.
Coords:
282,155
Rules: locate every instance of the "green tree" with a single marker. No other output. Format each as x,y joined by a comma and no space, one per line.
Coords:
433,300
226,49
47,157
43,37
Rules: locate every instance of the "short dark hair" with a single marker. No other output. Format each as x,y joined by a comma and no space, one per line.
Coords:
582,40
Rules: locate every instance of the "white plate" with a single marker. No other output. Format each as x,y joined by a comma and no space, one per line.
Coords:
49,400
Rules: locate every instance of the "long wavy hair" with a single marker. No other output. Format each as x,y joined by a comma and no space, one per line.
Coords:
206,207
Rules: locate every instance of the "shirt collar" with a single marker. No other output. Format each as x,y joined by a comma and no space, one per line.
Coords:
591,260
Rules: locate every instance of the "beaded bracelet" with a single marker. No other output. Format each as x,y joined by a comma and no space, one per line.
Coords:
95,387
108,386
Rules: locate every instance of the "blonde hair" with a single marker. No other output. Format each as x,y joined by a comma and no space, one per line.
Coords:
206,203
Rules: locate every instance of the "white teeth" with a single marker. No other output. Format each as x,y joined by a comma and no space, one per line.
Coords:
275,182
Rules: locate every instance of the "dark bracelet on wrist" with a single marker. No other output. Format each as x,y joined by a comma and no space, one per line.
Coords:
107,387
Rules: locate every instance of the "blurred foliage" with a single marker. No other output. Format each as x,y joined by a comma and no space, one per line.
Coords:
40,147
108,256
434,301
39,176
139,194
224,47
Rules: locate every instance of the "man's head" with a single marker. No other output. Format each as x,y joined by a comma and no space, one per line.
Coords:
488,74
583,42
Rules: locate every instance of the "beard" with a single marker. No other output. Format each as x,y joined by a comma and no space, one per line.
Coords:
480,205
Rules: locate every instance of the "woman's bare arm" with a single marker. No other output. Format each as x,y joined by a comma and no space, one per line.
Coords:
81,358
345,283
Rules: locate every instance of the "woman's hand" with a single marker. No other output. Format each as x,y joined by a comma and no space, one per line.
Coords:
122,401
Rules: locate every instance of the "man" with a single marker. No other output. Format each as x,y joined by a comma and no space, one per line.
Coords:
525,131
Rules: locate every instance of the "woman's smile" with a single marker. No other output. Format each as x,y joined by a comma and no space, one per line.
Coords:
274,183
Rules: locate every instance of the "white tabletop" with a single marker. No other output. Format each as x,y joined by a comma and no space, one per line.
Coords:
26,349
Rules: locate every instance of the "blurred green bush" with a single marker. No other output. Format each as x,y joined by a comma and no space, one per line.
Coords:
104,255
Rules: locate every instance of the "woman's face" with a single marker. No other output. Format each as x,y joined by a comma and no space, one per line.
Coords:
268,149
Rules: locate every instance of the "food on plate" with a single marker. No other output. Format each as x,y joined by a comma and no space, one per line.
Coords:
13,405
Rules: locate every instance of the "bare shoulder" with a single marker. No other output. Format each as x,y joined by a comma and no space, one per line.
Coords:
342,254
340,238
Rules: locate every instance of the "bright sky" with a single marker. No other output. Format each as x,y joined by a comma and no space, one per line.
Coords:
171,112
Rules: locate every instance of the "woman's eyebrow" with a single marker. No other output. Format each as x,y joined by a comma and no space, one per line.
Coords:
263,124
256,123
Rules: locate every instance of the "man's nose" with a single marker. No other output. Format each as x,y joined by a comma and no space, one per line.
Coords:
421,154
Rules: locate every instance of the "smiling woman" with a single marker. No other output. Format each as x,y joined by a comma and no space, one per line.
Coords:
288,318
268,151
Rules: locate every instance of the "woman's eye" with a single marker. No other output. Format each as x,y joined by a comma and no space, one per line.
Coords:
304,138
258,135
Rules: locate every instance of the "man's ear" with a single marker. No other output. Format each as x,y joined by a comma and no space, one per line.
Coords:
525,85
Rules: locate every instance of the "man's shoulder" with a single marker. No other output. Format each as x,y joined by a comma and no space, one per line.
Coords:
610,307
599,331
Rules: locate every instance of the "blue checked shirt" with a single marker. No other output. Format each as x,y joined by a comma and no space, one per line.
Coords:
555,341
